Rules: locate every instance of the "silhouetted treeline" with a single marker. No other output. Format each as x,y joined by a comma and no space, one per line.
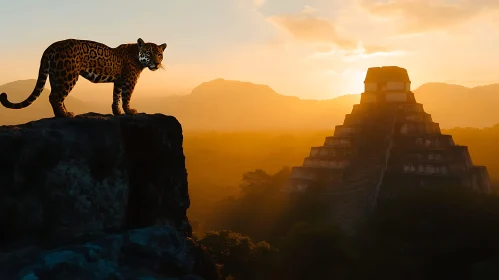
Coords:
264,233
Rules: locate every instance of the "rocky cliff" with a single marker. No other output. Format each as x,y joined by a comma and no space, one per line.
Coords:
106,195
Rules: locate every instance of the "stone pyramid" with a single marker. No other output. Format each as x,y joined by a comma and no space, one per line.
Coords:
387,142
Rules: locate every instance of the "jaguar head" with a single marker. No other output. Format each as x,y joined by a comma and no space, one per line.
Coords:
150,54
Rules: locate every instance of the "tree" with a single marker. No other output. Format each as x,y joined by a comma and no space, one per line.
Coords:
258,209
239,256
315,251
432,233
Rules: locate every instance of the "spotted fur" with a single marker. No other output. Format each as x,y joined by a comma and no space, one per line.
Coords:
64,61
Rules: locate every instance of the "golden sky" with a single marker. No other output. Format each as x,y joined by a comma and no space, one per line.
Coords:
312,49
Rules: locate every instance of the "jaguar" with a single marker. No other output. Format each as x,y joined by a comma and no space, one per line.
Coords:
63,62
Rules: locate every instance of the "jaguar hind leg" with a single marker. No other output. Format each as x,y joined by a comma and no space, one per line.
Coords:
58,92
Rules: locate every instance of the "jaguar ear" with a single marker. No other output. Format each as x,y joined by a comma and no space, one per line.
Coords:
163,46
140,42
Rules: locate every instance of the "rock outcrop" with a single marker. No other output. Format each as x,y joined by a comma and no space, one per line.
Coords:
118,185
147,253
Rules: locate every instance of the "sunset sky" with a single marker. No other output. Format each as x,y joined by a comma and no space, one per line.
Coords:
312,49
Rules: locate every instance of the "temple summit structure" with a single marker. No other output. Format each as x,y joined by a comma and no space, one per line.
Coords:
386,143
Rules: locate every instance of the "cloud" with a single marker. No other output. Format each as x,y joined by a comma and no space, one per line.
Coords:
259,3
323,35
306,27
324,49
308,10
359,53
371,49
423,15
362,54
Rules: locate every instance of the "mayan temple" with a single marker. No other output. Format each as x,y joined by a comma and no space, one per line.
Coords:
386,143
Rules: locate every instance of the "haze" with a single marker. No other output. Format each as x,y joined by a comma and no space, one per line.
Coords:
255,85
323,46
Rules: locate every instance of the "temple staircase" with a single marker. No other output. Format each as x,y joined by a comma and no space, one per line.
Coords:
357,196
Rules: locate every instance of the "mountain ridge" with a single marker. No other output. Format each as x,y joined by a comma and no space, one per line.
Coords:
241,105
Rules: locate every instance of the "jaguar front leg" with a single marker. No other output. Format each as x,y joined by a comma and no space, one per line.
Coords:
126,95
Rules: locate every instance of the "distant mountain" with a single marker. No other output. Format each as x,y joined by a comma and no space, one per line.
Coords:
233,105
459,106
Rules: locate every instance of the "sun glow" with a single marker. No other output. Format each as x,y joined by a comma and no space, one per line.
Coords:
353,81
